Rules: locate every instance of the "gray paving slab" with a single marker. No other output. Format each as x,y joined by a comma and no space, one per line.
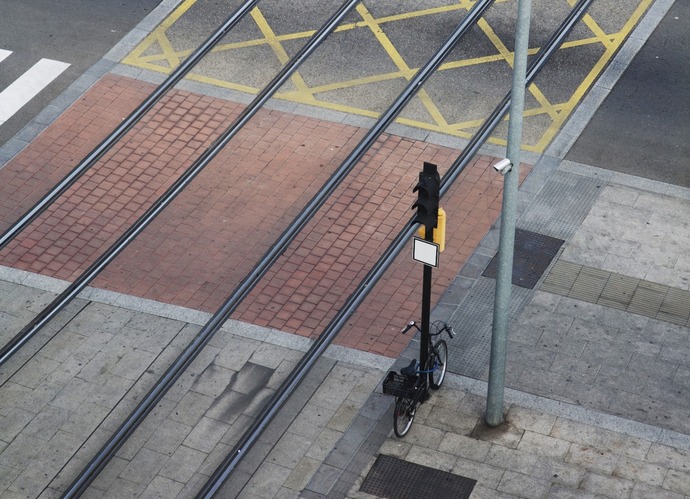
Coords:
95,381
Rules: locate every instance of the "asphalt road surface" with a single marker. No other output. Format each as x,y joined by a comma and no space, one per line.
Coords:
643,126
46,45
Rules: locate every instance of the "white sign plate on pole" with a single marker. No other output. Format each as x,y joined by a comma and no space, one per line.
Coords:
425,252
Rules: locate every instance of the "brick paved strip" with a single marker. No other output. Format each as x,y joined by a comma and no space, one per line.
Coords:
200,248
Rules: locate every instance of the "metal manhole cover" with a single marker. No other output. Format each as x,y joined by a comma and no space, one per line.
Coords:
533,254
394,478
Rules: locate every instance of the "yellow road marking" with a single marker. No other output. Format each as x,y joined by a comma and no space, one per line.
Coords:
399,62
135,56
223,84
277,47
339,85
594,27
159,34
167,58
510,59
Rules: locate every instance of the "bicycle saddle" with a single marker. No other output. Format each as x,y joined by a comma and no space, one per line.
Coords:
409,370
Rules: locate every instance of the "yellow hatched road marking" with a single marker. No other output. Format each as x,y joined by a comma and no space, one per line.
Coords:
158,35
382,38
279,51
594,27
136,55
223,84
400,63
510,59
338,85
167,58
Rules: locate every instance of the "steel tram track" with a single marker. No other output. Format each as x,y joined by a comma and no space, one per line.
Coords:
71,292
156,393
293,380
214,485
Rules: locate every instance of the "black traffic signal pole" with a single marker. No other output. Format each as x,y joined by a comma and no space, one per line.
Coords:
426,314
136,115
428,192
317,349
171,193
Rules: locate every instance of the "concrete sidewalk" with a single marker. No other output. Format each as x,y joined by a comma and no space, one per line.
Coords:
323,445
598,371
597,403
546,449
60,404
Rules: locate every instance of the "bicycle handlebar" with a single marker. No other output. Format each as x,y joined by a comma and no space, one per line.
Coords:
446,327
409,326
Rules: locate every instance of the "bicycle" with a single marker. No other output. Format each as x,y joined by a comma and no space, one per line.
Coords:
411,386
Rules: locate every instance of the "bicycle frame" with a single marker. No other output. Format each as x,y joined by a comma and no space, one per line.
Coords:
411,386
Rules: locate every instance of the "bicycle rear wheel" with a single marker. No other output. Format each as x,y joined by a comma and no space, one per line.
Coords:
438,357
403,416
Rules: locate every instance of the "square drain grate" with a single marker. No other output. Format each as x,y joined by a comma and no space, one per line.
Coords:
533,254
394,478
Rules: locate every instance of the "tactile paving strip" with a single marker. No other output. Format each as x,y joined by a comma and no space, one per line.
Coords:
397,479
533,254
469,351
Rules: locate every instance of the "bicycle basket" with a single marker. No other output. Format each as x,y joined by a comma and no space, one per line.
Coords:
399,386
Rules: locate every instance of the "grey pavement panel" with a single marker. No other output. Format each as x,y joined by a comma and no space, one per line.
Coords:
59,323
550,214
532,255
334,478
591,348
130,304
397,479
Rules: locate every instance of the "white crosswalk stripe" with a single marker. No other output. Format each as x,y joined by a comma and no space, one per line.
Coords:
28,85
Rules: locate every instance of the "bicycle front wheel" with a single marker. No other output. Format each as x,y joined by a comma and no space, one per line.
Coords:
438,358
403,416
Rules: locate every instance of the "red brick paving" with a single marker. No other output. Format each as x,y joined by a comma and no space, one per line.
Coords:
200,248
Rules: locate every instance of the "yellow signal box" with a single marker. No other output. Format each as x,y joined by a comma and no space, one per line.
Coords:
439,231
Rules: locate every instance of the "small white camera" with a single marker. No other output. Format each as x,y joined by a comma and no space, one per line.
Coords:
503,166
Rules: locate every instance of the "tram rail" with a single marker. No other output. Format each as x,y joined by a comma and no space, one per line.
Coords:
71,292
213,486
109,449
215,483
